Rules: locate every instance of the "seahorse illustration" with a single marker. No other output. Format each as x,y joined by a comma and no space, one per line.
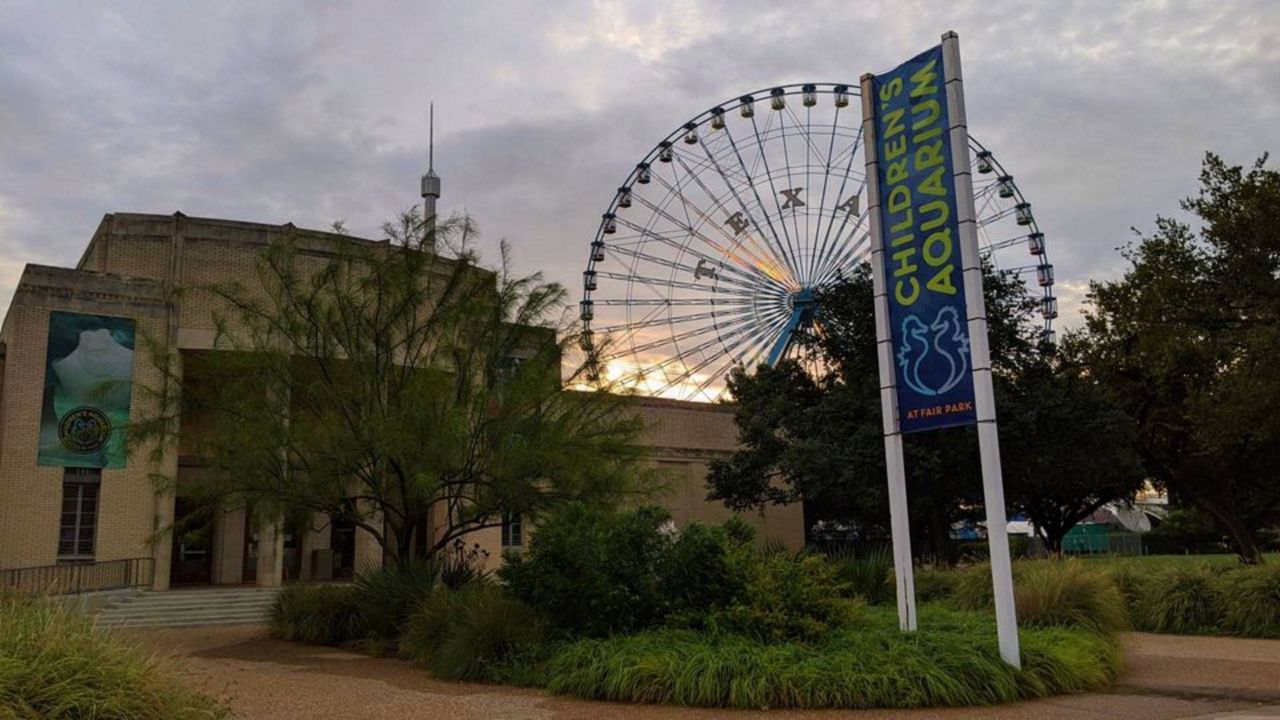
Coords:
942,344
915,348
953,346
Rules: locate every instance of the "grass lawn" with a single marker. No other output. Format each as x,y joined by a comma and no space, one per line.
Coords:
1157,562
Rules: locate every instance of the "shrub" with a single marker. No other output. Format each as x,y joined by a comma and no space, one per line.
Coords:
597,574
54,664
868,574
1050,593
386,595
1179,599
953,661
594,572
702,570
477,633
1251,601
788,598
1185,530
323,614
934,584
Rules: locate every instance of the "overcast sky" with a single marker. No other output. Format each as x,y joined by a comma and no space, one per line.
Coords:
314,112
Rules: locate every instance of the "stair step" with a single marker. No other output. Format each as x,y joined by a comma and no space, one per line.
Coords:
213,606
263,601
193,614
188,594
258,612
182,623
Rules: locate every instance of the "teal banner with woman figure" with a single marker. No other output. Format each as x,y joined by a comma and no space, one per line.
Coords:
88,383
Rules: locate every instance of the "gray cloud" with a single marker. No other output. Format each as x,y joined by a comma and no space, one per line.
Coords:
315,112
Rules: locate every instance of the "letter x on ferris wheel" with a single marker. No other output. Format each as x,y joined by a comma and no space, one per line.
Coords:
714,251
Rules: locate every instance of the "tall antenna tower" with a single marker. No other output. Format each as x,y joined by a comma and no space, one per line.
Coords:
430,187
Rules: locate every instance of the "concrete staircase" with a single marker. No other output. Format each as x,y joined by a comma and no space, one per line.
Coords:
190,606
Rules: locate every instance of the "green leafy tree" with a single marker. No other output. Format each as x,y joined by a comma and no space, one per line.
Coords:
1186,341
415,395
1067,448
819,439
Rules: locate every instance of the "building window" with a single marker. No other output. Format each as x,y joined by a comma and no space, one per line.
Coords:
512,530
79,524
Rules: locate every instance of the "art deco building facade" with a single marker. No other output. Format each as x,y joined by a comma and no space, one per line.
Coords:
70,494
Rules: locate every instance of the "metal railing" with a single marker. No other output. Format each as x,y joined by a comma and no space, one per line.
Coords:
74,578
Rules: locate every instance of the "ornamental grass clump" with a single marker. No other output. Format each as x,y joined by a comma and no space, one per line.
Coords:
1251,601
868,574
1051,593
952,660
1065,592
320,614
55,664
478,633
1181,600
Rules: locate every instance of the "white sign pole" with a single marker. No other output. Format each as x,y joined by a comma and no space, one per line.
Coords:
898,520
980,355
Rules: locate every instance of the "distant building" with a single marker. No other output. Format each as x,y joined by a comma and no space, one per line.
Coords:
69,495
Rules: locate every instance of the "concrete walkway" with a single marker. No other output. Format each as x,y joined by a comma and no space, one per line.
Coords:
1169,677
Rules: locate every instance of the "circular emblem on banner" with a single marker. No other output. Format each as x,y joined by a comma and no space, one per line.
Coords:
84,430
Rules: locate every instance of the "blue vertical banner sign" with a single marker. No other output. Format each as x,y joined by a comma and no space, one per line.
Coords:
924,278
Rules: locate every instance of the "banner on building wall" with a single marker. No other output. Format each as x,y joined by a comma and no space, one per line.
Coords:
924,278
88,382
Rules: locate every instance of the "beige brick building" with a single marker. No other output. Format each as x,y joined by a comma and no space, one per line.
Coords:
51,515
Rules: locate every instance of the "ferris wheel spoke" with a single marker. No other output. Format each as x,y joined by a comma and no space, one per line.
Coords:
659,283
834,258
752,346
640,374
846,208
846,258
760,258
808,133
793,194
631,331
755,275
612,302
667,320
814,261
737,153
699,349
1000,215
713,329
688,231
777,203
736,282
986,205
1002,244
772,265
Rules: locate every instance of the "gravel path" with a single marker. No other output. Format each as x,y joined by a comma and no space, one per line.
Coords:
1169,677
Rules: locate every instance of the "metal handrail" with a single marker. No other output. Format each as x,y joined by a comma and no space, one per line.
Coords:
75,578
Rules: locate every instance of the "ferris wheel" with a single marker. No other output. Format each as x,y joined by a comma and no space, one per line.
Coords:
713,252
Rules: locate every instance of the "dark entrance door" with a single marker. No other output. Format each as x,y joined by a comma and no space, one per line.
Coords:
250,575
192,560
342,540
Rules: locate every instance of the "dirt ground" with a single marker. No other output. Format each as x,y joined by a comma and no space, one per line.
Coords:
1168,677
